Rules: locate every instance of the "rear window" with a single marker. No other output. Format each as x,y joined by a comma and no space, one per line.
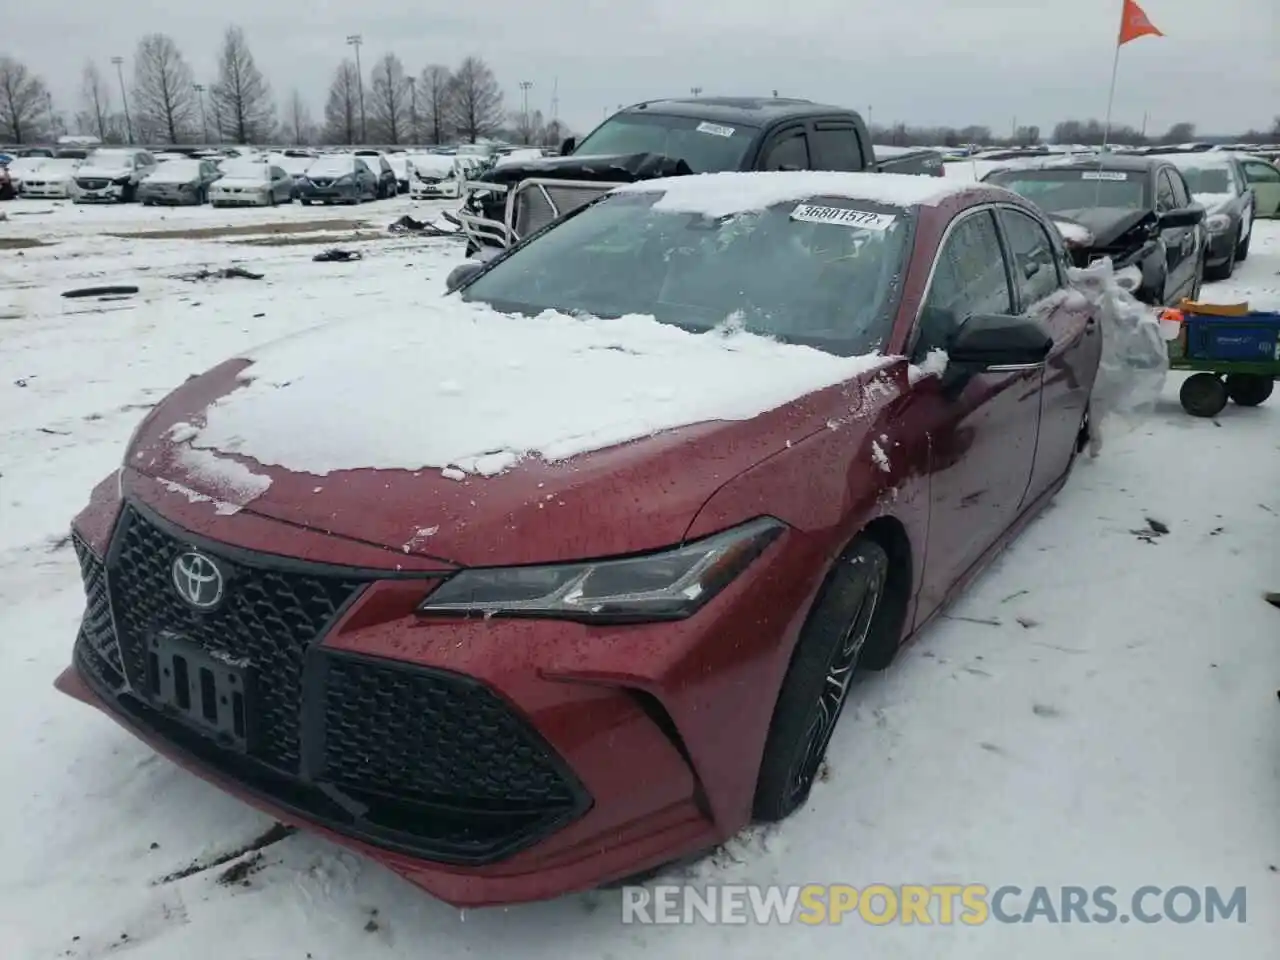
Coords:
705,146
1217,179
1057,191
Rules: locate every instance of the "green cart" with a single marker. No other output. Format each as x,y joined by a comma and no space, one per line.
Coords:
1234,353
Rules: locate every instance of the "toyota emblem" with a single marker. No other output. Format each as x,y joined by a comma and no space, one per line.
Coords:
198,580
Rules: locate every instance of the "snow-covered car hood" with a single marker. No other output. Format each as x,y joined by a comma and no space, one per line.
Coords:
241,183
1213,202
166,174
58,169
93,171
491,431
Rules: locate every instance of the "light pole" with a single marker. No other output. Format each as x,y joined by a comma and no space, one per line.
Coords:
413,110
525,87
696,91
354,41
128,124
204,122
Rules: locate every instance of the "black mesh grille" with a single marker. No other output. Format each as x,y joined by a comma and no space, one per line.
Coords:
433,738
269,615
96,629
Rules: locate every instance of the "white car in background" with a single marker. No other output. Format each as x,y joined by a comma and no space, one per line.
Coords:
399,163
440,176
112,175
22,168
53,180
250,183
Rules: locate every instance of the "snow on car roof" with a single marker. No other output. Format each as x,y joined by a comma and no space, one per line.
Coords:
1198,161
499,388
722,194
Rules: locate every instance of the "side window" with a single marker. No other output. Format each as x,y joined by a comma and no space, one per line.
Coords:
277,173
789,153
1255,171
836,148
1035,267
1166,197
1181,195
969,277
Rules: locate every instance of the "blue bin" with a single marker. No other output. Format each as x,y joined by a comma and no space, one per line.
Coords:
1253,338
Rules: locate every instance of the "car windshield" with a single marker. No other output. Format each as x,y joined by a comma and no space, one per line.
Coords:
825,273
1208,179
332,167
705,147
111,158
1055,191
245,170
177,169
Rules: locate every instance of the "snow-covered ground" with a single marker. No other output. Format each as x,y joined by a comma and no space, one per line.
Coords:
1100,710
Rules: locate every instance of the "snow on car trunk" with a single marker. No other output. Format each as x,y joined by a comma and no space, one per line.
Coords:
462,387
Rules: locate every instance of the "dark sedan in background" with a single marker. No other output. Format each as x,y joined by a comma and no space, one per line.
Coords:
179,182
338,179
1136,210
1218,182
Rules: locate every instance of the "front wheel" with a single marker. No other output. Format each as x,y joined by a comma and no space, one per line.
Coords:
1203,395
848,618
1225,270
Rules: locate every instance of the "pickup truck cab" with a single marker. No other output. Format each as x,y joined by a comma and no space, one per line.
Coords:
660,138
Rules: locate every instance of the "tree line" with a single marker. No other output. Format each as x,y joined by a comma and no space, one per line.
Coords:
160,102
163,103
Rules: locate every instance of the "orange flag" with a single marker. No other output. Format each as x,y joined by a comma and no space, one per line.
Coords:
1135,23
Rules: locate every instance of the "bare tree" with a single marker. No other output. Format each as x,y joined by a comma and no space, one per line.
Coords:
530,128
165,102
554,134
1183,132
389,99
24,102
434,87
342,109
242,94
475,100
297,127
96,97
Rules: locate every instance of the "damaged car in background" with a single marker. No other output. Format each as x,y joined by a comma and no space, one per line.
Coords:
113,175
179,182
663,138
1136,210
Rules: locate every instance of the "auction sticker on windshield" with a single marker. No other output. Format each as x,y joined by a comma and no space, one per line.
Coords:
810,213
1103,175
715,129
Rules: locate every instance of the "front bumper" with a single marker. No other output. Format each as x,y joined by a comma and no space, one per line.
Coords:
173,196
240,199
98,193
329,194
486,761
47,190
432,191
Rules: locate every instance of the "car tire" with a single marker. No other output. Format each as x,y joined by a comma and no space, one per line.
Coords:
306,201
1203,395
1242,248
848,618
1224,270
1249,389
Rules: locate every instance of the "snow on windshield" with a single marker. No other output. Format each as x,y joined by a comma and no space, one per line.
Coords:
461,386
722,194
245,170
332,167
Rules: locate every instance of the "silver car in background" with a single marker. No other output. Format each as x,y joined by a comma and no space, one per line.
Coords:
250,183
179,182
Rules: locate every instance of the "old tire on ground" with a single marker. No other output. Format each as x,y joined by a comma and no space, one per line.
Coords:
847,617
1203,395
1249,389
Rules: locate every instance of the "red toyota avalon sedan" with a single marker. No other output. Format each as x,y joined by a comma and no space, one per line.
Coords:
711,445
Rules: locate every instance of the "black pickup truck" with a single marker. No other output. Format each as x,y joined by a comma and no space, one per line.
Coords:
661,138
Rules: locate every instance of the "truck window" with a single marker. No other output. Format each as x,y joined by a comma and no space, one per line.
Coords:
836,148
789,152
705,146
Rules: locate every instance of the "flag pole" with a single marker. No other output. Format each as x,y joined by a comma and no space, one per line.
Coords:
1111,98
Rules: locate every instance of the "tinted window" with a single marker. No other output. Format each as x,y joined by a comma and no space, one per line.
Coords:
830,285
1258,172
789,153
1058,191
969,277
706,147
836,148
1166,197
1209,179
1032,257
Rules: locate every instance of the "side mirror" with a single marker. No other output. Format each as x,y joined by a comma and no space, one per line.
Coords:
461,274
1186,217
998,343
566,148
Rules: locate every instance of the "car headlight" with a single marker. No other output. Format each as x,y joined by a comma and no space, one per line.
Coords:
667,585
1218,222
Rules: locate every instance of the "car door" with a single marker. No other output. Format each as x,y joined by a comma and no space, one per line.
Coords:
280,184
835,146
1067,382
981,431
787,149
1180,243
1244,194
1265,181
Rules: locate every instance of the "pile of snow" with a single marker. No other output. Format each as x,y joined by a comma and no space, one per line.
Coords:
462,387
1074,232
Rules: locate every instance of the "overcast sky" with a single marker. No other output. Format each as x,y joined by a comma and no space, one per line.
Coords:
917,61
